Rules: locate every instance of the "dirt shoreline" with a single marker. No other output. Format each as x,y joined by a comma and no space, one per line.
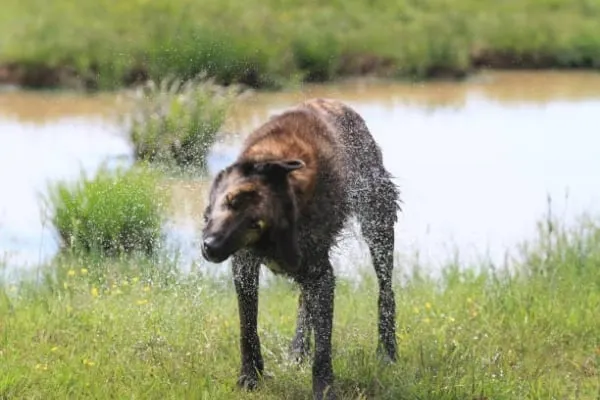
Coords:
44,76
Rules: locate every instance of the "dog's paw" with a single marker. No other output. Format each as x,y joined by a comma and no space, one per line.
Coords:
248,381
323,391
385,357
298,355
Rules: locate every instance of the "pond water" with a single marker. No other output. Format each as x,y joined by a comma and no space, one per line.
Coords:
475,160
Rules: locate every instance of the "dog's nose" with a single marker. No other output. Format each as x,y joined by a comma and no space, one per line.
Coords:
209,245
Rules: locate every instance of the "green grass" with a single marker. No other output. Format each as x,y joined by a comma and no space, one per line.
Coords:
133,329
111,213
267,43
175,123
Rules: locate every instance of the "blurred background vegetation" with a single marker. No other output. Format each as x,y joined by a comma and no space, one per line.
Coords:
106,44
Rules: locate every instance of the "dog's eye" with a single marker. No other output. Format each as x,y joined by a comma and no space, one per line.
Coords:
256,224
233,202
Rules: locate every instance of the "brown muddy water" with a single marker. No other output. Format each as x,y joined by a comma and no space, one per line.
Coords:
476,161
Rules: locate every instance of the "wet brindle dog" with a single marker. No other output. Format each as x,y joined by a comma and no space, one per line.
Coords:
283,203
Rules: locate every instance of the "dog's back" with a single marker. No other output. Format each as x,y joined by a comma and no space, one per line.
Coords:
365,175
326,133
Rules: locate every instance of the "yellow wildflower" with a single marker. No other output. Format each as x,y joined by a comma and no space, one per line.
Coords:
84,271
428,305
54,349
469,300
426,320
135,279
451,319
146,288
65,285
142,302
43,367
94,292
88,363
71,272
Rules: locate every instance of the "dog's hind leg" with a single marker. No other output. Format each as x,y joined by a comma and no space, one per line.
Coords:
300,346
377,217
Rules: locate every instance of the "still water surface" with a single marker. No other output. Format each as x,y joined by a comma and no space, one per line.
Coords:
475,161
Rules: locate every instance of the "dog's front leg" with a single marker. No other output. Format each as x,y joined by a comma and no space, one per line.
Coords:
319,295
245,278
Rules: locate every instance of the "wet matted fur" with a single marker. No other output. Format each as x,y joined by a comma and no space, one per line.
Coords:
283,203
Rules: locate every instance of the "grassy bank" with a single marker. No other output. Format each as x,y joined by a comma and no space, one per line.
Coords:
265,43
133,330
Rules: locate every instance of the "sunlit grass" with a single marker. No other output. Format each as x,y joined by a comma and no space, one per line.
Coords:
134,329
267,43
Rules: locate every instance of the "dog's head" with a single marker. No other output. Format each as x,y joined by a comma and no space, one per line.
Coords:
250,203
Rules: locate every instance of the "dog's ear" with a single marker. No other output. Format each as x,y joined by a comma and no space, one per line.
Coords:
214,184
273,170
279,167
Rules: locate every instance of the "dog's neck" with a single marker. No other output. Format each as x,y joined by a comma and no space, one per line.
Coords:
280,252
